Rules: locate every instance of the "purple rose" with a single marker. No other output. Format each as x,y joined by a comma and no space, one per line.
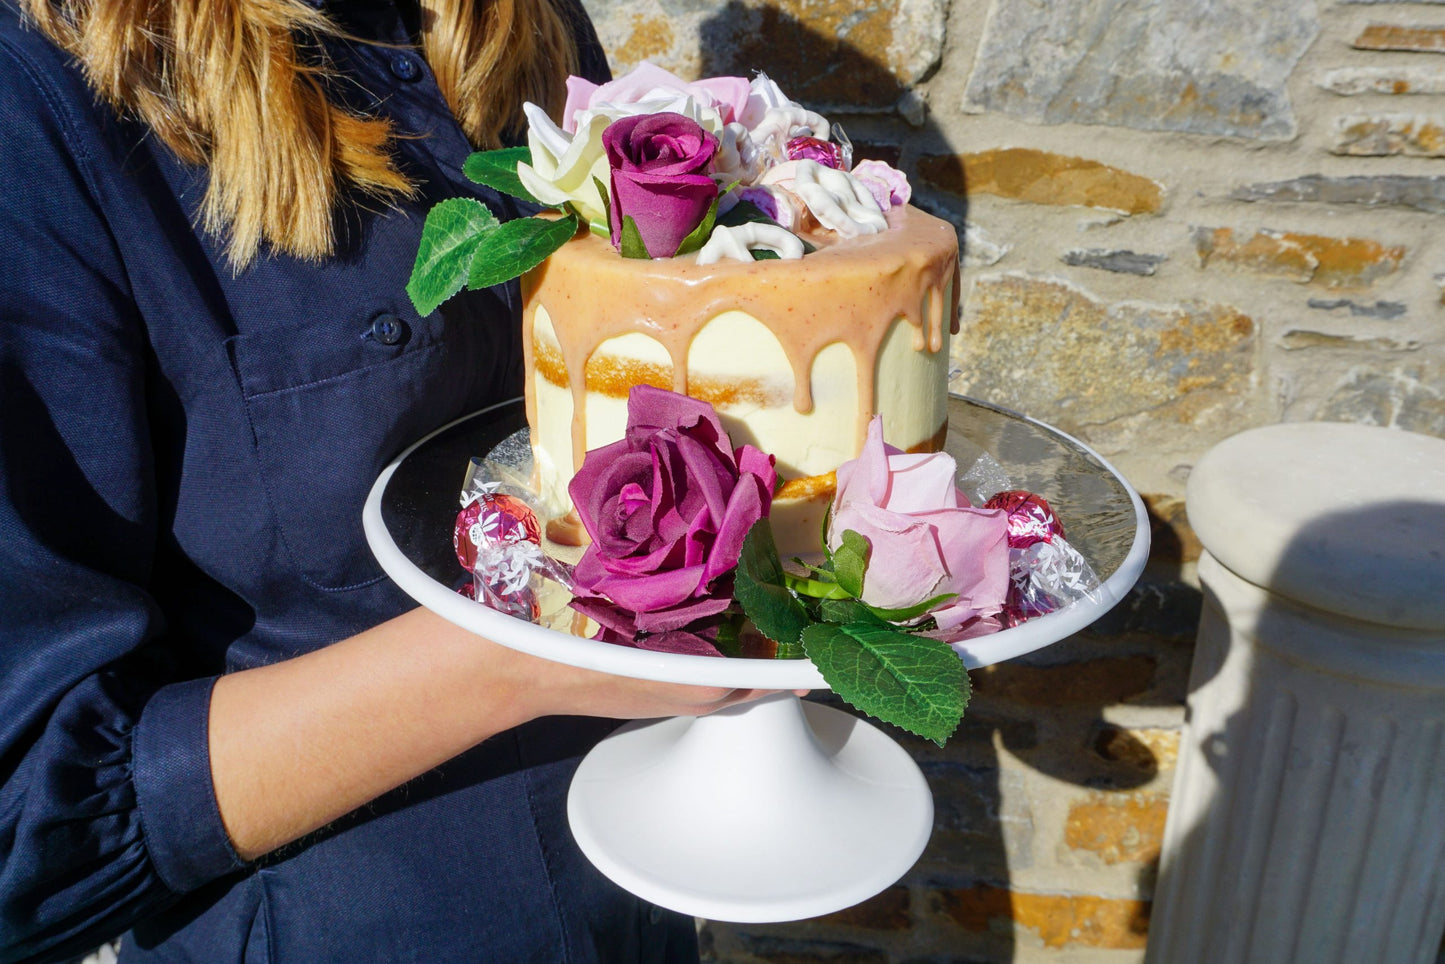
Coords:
659,178
667,508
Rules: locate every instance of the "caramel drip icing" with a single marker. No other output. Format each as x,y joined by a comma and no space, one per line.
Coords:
848,291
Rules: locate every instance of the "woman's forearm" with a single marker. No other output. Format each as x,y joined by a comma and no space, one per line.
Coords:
300,743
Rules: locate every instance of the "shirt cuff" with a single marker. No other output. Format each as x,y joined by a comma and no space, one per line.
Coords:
171,770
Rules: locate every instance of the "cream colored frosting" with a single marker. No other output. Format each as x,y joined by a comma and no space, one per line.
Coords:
796,356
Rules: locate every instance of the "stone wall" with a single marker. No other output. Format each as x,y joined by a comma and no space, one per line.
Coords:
1181,218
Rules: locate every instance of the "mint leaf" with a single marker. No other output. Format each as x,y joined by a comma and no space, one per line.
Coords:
498,171
759,586
850,562
910,681
631,240
517,247
453,230
698,236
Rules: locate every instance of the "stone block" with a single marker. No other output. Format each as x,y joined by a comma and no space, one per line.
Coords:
1121,262
1298,340
1393,36
1389,134
1096,682
1204,66
1118,828
1057,920
1402,79
1411,398
1380,309
792,950
1041,177
1417,192
1118,374
892,910
1172,539
1303,258
827,54
1148,750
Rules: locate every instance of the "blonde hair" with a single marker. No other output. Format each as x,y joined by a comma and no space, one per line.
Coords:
222,83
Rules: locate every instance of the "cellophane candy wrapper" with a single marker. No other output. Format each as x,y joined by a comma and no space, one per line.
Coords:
498,537
1045,572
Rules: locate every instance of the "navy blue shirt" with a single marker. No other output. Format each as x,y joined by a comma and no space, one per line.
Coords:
184,454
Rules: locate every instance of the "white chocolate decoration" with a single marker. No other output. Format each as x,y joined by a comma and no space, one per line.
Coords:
737,243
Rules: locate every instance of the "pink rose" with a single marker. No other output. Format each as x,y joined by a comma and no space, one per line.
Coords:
888,185
926,540
647,83
659,178
667,508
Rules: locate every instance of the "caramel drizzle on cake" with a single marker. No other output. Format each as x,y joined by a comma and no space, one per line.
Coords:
867,284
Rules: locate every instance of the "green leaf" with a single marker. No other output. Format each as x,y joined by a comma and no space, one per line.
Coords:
453,231
632,246
744,212
910,681
517,247
850,562
759,586
498,170
698,236
847,611
606,197
764,254
911,612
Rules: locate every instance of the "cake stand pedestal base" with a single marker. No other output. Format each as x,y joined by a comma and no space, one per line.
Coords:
774,810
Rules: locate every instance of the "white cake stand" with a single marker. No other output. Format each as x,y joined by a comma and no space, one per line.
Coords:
774,810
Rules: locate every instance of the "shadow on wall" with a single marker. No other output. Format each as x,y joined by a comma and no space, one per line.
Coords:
1312,779
1047,711
812,67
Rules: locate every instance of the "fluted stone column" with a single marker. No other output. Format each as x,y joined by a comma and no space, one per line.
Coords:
1308,816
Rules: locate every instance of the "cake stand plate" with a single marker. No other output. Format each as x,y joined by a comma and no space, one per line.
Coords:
777,809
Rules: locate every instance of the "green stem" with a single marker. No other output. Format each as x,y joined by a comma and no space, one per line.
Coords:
816,588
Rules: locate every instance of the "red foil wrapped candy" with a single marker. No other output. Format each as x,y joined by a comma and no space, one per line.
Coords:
1045,572
498,539
1030,518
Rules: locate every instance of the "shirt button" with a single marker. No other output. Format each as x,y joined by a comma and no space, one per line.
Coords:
405,67
387,329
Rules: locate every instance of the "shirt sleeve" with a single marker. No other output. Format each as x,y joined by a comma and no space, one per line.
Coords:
107,811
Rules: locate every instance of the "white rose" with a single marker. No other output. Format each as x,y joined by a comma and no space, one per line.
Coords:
567,167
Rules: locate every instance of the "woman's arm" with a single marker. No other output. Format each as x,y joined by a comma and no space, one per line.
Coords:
297,744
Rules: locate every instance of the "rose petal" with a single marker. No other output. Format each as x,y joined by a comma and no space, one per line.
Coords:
974,542
677,641
747,504
923,481
651,592
685,612
904,566
665,209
